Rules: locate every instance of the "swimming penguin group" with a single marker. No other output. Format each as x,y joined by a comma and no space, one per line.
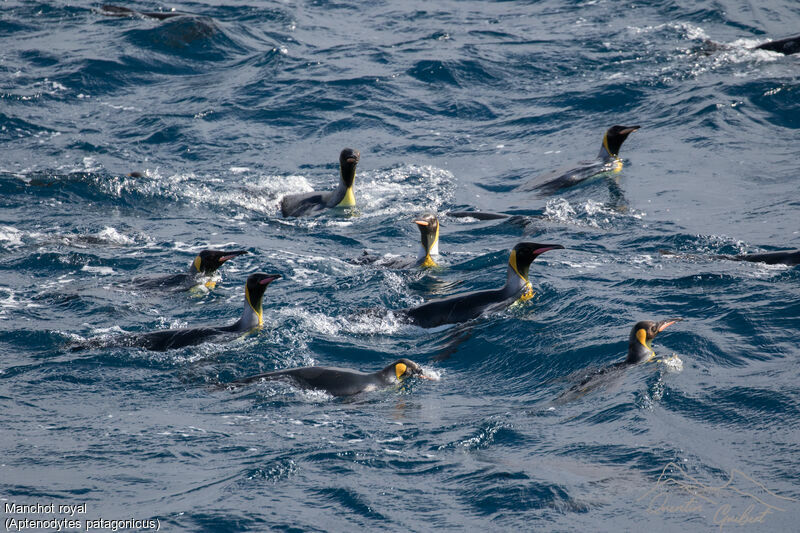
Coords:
202,275
458,308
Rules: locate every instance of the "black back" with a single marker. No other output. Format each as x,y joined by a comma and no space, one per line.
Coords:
788,46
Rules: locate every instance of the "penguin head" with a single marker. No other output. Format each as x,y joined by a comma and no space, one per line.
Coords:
348,160
208,261
642,334
403,368
523,254
428,226
254,290
615,136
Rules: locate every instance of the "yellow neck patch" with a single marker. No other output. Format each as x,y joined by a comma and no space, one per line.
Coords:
211,284
400,369
641,336
198,263
512,260
528,294
349,199
605,145
258,313
429,262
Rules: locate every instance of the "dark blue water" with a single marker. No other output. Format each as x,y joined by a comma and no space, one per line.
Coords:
452,105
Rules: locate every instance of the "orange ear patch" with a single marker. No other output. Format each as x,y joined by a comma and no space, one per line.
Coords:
641,336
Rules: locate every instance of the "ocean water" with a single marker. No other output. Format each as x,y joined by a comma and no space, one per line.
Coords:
452,104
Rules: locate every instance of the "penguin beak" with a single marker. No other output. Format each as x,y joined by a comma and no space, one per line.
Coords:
423,376
547,248
629,130
232,255
664,324
421,222
352,160
269,279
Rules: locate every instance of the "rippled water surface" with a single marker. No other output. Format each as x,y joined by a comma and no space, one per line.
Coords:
452,104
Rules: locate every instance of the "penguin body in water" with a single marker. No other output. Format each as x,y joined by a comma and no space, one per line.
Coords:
607,161
428,252
640,350
311,203
787,46
118,11
341,381
463,307
788,257
178,338
201,273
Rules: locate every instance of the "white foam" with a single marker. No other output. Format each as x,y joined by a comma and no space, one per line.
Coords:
11,235
672,363
102,270
588,213
106,331
8,302
314,396
690,31
355,324
430,373
90,164
591,265
111,235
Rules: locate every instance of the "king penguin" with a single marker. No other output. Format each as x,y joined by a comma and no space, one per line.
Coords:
298,205
428,252
200,274
342,381
463,307
640,350
607,161
178,338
